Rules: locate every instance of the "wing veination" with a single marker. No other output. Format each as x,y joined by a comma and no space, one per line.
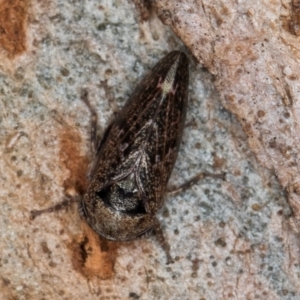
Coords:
145,138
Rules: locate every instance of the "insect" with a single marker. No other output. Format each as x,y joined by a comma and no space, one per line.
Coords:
133,162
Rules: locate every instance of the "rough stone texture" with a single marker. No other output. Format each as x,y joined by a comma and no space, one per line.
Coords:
231,239
253,50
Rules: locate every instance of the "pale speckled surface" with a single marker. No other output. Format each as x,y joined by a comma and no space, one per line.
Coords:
230,238
252,48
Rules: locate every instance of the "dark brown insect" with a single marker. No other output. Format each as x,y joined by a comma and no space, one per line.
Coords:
134,160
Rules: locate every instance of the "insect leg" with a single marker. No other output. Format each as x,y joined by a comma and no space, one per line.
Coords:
94,122
176,190
61,205
162,241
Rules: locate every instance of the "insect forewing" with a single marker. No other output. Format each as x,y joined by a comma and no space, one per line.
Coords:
136,159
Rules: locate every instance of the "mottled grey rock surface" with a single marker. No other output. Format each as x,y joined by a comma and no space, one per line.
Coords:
231,239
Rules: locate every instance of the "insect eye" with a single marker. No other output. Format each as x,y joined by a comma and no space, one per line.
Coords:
103,194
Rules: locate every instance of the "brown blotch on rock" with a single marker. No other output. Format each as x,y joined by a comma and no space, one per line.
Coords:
13,15
90,257
72,159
